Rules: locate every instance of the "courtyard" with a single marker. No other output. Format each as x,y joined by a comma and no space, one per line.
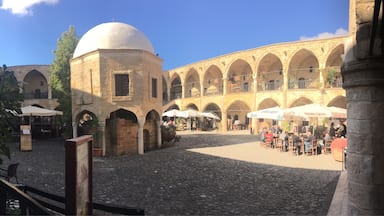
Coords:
206,173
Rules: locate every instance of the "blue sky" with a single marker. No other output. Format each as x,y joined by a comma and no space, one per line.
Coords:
181,31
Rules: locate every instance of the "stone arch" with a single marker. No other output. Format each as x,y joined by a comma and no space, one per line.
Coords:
304,64
237,111
176,87
35,85
150,132
332,75
192,84
259,124
213,81
121,133
213,108
270,73
192,106
239,77
173,106
267,103
165,90
339,101
301,101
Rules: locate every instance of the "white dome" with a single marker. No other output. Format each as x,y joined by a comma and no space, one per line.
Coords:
112,35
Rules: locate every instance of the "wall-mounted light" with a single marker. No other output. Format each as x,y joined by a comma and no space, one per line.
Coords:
310,69
281,71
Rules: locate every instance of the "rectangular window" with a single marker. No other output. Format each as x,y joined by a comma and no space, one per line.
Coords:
154,88
121,85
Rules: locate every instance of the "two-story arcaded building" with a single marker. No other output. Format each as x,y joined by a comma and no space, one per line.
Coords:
285,75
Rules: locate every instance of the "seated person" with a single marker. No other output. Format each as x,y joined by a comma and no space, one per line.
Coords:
269,137
297,143
308,141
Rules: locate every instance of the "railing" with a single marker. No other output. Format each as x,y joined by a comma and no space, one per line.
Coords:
26,204
32,201
269,86
303,84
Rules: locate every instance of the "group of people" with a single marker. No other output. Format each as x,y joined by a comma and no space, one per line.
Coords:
275,132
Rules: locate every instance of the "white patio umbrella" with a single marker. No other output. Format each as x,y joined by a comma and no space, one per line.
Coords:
275,113
190,113
210,115
308,111
172,113
37,111
338,112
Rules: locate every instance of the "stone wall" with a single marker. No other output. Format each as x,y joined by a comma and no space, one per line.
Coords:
121,137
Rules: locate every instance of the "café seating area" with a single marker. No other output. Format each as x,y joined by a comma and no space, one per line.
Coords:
297,147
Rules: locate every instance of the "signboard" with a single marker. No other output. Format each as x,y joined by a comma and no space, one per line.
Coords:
78,176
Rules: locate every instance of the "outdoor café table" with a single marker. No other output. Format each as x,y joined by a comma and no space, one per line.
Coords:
337,148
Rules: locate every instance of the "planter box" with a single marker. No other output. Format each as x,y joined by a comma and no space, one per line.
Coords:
337,148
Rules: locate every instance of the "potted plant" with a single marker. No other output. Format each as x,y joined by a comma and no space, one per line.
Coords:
89,125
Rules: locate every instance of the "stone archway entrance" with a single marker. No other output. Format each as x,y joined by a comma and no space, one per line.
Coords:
121,133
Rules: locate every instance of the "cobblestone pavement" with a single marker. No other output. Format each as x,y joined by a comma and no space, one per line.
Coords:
176,181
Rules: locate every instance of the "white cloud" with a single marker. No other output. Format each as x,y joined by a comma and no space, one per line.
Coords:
339,32
23,7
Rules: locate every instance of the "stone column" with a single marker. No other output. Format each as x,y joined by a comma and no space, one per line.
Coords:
140,140
363,79
101,131
224,120
364,84
158,124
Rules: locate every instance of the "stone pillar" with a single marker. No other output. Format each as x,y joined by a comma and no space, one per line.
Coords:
158,124
363,79
140,139
225,84
364,84
101,131
224,124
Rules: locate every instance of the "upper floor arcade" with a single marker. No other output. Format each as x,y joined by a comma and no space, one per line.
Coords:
293,66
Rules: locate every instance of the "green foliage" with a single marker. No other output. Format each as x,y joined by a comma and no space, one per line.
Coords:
61,75
10,102
331,76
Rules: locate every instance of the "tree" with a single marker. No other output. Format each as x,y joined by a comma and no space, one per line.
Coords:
10,103
61,76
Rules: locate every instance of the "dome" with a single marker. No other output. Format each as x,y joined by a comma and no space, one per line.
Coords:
112,35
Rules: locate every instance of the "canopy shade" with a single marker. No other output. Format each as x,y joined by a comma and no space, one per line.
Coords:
210,115
37,111
338,112
275,113
309,110
172,113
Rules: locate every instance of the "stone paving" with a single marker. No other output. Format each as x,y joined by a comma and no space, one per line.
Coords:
186,178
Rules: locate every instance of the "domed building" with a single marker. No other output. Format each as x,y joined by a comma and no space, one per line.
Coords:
115,81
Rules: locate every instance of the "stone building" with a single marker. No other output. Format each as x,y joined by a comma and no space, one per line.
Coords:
115,82
34,81
285,75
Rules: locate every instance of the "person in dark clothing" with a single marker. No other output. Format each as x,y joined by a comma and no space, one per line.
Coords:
297,143
332,130
341,130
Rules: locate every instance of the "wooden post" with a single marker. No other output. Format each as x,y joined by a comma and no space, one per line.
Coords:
78,176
